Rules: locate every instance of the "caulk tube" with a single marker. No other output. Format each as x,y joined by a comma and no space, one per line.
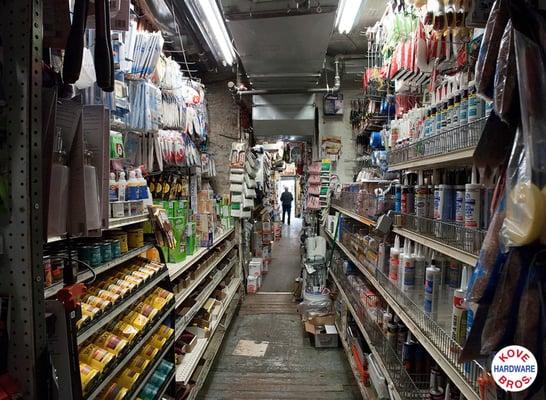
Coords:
387,317
432,290
394,260
401,264
458,315
419,266
408,274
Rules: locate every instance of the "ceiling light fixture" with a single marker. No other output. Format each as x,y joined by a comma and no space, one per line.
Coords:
346,15
208,18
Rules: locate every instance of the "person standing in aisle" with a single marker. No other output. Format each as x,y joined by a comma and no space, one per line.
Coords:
286,200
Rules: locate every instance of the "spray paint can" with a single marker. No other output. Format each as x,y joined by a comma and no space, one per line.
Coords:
472,214
458,316
411,200
392,334
453,274
472,202
419,267
441,263
421,198
474,103
408,269
459,204
404,209
443,207
398,198
463,112
487,199
394,261
402,335
432,290
383,259
408,354
436,392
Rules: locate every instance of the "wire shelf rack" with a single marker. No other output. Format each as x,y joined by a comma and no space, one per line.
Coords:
452,234
405,386
364,204
426,330
454,140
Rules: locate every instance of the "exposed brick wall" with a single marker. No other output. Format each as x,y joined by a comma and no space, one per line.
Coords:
223,120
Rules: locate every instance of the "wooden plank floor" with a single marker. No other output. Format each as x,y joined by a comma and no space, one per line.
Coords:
290,368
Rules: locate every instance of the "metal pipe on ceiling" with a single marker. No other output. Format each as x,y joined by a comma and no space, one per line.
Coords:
333,89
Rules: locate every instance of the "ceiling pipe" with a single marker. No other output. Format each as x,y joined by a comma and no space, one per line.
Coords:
333,89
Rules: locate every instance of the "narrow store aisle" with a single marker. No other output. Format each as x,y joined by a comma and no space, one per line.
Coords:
285,265
266,355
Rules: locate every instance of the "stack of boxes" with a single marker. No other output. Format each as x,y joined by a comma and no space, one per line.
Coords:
255,271
242,179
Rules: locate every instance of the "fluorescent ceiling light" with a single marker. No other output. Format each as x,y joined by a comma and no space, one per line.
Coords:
346,15
208,17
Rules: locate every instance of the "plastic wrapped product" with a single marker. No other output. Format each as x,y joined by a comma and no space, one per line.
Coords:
525,206
501,316
505,92
489,49
529,332
491,259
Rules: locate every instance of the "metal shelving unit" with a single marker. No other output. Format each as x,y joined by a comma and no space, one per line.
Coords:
360,218
21,275
124,221
433,337
366,392
434,244
152,368
117,309
183,321
121,364
85,275
214,347
176,269
367,337
453,147
185,370
180,297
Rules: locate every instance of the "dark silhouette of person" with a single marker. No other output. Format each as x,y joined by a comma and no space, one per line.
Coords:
286,201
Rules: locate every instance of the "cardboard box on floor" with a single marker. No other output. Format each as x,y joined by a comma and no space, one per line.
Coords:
323,331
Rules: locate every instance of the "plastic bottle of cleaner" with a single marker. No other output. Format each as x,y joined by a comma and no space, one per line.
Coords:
122,186
132,187
408,281
142,185
432,290
394,260
458,317
113,188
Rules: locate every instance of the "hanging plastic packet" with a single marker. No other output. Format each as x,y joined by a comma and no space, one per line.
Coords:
526,206
489,49
502,314
485,275
505,94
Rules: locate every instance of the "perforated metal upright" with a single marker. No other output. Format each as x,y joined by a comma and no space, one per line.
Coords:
20,143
